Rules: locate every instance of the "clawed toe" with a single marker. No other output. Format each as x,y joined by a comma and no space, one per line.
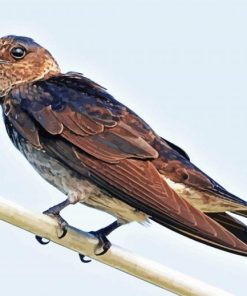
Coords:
82,258
61,222
62,231
42,240
103,245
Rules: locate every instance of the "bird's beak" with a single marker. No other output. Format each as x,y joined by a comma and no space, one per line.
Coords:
4,62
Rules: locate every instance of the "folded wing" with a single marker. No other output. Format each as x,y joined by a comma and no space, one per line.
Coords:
92,133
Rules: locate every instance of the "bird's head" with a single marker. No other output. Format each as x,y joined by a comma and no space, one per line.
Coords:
22,60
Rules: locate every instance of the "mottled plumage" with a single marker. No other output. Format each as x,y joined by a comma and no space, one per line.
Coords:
83,141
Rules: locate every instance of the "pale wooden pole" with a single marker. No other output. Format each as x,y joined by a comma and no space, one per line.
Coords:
84,243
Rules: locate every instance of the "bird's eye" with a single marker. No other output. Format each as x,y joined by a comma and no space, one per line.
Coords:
18,52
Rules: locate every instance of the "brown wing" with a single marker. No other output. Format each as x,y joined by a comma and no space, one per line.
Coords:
138,183
175,165
91,132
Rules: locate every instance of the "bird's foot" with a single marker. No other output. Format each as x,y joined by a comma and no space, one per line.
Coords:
103,245
54,212
62,229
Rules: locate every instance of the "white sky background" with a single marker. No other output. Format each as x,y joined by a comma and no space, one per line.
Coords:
181,65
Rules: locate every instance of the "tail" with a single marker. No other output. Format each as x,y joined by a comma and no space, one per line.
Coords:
231,224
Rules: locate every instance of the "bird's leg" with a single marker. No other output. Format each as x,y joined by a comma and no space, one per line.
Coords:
104,244
54,212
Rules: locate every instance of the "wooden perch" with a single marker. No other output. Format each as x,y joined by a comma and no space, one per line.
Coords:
84,243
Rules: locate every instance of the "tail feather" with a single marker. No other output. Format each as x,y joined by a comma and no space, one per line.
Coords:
232,224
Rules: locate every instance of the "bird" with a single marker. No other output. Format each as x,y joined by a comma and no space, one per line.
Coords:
101,154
